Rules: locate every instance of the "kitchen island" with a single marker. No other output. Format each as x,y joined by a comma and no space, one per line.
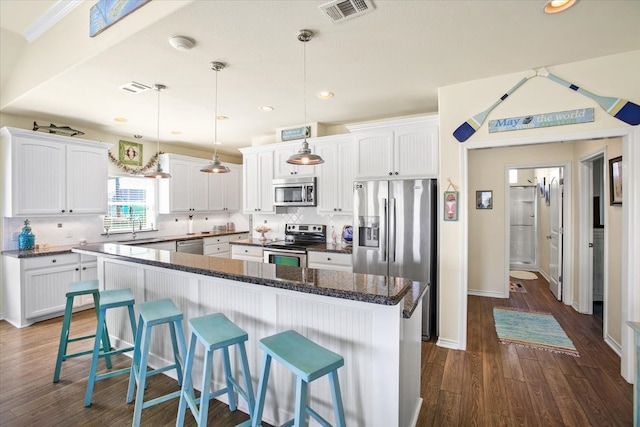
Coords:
374,322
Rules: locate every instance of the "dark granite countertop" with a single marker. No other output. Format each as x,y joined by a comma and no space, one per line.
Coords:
117,238
320,247
338,284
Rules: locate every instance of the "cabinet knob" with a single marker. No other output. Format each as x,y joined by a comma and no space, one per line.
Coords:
246,251
390,173
396,173
340,209
334,209
62,210
53,260
70,210
84,268
328,258
77,269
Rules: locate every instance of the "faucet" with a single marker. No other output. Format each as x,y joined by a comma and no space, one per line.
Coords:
133,227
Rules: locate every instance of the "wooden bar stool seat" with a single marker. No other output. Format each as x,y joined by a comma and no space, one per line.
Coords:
214,332
308,361
113,298
154,313
76,289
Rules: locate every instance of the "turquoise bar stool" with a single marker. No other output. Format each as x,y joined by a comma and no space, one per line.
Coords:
113,298
308,361
214,332
154,313
76,289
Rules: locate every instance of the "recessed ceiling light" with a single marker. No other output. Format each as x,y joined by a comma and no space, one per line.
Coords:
217,143
136,136
265,108
325,94
222,117
176,132
555,6
120,119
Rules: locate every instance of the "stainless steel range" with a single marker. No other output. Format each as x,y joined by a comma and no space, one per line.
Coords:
292,250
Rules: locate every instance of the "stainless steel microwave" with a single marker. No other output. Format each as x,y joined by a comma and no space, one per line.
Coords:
299,191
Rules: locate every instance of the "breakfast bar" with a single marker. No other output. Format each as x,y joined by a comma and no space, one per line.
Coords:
374,322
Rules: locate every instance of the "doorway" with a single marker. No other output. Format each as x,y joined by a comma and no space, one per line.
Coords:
592,225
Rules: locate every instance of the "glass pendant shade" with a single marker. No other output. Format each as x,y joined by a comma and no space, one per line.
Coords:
215,166
158,173
304,157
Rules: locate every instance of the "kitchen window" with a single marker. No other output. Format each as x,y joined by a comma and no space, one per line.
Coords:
130,199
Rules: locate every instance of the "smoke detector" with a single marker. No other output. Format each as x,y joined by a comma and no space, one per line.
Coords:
182,42
343,10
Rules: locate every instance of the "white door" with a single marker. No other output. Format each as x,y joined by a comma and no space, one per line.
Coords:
555,241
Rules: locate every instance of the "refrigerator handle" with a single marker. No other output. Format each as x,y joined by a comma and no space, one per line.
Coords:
392,232
383,232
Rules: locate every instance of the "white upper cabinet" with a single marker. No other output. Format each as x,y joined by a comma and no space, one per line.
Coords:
282,169
188,189
258,176
336,174
397,149
224,190
48,174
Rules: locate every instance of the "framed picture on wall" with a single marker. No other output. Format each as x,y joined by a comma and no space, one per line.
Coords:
484,199
130,153
615,180
450,205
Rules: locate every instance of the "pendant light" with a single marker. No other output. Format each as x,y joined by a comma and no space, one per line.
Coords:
158,173
304,155
216,166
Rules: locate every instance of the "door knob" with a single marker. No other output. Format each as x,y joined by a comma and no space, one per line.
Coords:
590,245
548,237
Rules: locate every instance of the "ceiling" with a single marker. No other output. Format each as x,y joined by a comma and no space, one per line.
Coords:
386,63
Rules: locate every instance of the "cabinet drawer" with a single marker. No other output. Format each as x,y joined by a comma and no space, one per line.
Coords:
243,236
329,261
51,261
215,240
215,249
245,251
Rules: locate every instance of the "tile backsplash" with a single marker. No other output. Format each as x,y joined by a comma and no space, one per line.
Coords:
301,215
68,230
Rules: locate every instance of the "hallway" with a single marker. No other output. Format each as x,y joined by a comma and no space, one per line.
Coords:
495,384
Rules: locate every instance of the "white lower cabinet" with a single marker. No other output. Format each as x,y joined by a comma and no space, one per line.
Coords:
35,288
216,246
247,253
329,261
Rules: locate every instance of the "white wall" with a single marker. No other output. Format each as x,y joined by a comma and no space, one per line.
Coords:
614,75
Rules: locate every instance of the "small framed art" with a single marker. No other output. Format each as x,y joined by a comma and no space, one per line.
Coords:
130,153
615,180
450,205
484,199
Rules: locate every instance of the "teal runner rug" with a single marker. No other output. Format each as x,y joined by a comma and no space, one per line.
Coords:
532,329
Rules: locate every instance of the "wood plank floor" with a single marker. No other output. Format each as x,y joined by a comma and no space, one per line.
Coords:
489,384
492,384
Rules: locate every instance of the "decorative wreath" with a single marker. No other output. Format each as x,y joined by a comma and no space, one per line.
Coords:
136,171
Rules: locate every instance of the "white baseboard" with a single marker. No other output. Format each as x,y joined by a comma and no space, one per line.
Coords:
488,294
453,345
416,413
613,344
545,275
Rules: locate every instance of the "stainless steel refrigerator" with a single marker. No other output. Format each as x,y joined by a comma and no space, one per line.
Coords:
395,234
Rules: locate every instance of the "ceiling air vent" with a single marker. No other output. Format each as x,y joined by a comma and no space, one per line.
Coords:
342,10
134,87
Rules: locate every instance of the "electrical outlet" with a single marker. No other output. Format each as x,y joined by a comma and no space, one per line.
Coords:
59,225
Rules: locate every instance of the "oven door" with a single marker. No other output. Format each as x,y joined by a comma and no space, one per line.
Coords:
290,258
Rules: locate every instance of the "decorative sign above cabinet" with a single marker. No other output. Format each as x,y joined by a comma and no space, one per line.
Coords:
296,133
570,117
